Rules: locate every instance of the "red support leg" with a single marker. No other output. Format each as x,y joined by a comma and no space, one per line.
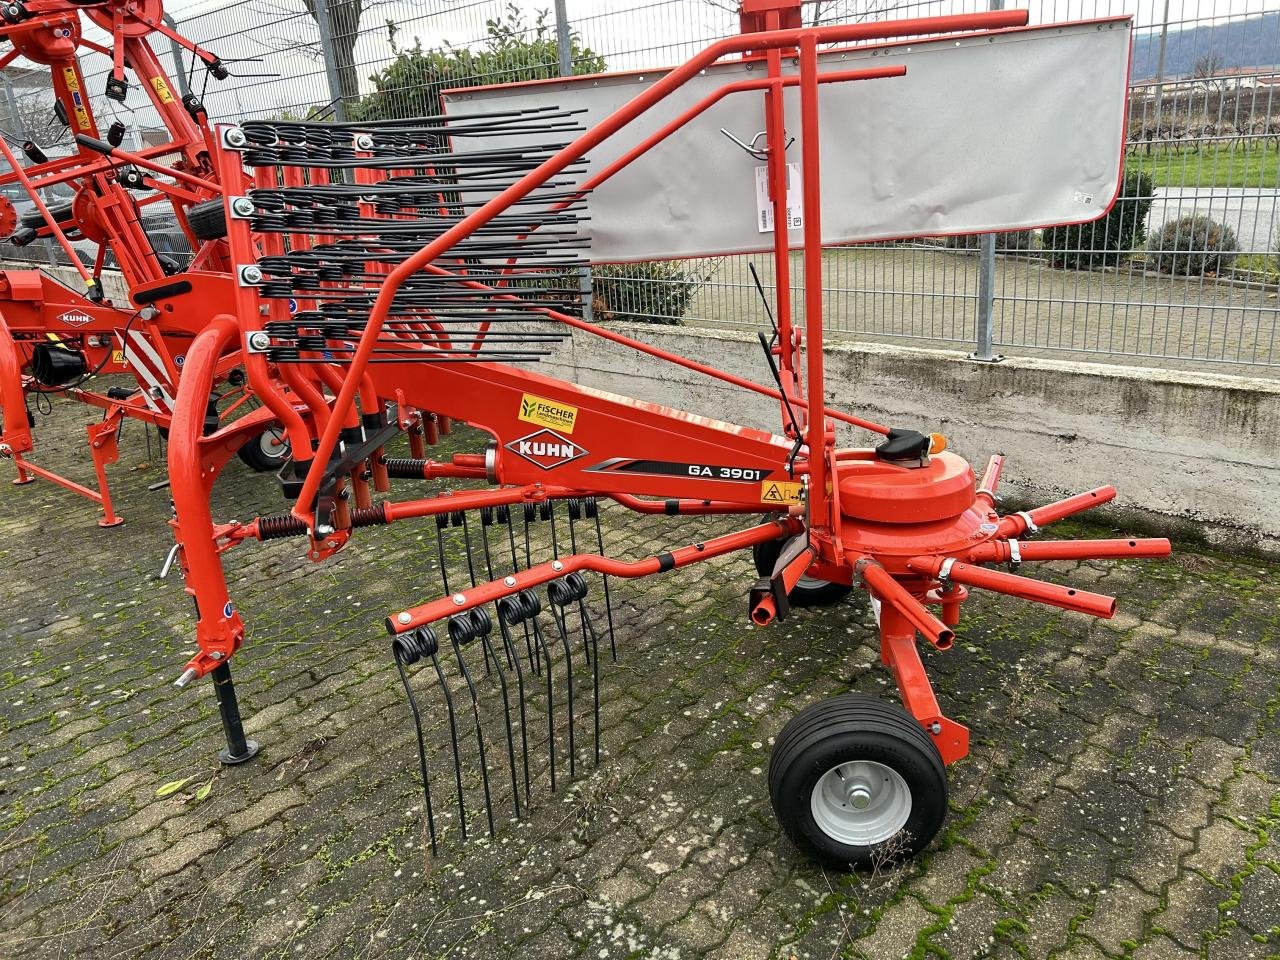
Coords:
898,651
104,446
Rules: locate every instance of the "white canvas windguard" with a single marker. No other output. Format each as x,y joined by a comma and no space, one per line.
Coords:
1008,130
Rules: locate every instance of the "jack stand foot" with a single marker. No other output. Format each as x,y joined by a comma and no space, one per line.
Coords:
113,522
23,481
227,759
238,750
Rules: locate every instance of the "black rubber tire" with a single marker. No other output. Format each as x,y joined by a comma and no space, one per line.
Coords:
855,727
208,220
765,555
61,213
254,455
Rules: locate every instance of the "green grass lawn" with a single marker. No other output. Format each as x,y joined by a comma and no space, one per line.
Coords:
1216,165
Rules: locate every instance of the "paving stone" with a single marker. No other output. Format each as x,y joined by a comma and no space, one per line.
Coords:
1121,795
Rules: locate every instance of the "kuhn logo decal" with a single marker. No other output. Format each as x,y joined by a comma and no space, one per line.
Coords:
546,449
74,318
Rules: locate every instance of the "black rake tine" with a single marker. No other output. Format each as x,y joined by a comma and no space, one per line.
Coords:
594,506
514,658
422,748
534,664
475,713
471,572
453,735
551,723
557,614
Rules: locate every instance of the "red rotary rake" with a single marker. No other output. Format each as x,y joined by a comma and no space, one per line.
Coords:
53,340
391,260
362,273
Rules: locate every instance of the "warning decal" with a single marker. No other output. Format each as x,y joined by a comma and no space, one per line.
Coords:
781,492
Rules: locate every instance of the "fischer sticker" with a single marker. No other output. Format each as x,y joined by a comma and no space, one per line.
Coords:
780,491
546,449
162,90
74,318
548,413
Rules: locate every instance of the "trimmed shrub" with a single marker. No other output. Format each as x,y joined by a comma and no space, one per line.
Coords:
1111,239
1193,245
1009,240
655,292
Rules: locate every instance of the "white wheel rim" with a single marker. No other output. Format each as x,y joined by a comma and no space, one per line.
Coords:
273,445
861,803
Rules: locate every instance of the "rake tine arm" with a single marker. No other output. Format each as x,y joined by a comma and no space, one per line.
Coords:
991,479
1029,521
1068,598
543,573
880,583
1001,551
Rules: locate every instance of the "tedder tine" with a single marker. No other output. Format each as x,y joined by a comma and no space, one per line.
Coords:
560,594
471,573
463,629
453,730
513,657
409,648
593,511
524,607
505,515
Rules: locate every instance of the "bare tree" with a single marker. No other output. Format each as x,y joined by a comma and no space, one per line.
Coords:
344,27
1207,71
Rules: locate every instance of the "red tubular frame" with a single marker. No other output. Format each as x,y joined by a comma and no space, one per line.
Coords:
544,573
1068,598
843,33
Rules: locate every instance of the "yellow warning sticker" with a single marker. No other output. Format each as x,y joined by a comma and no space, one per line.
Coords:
117,356
548,413
72,82
162,90
780,491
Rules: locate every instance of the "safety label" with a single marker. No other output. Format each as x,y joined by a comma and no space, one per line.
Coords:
781,491
795,199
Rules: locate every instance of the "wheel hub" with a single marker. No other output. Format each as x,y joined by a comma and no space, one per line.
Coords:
861,803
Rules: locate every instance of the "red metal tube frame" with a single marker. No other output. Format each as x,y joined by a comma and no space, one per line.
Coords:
543,573
845,33
1015,524
890,591
1001,551
1067,598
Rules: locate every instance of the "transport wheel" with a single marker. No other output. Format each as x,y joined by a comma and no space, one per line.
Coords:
208,221
267,452
808,592
856,782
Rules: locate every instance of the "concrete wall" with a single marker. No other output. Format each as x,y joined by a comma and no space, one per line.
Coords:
1194,455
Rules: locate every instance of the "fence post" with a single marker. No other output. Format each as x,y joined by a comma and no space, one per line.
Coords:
330,64
986,279
564,54
17,126
986,298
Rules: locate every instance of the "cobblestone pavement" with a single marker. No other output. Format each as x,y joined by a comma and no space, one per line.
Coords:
1122,798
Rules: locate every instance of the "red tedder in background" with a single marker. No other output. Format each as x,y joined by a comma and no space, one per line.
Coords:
371,270
53,339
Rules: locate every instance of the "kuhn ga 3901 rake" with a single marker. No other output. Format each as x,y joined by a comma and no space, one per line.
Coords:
422,260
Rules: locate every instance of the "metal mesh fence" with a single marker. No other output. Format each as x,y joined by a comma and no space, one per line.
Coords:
1182,272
